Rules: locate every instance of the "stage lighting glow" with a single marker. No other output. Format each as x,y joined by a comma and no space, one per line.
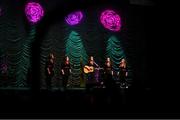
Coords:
111,20
3,68
0,11
74,18
34,12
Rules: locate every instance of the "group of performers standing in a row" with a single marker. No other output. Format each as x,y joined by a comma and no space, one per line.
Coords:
88,69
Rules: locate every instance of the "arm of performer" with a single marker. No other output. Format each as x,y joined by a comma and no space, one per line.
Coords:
62,71
49,72
70,71
96,64
126,73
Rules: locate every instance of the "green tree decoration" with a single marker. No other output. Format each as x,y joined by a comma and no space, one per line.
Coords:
14,36
78,56
16,44
24,63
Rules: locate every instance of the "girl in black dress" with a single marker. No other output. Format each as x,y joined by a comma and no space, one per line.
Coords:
108,74
123,73
49,70
65,71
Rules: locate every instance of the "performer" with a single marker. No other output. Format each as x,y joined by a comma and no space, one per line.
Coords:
82,83
65,71
123,72
49,70
91,75
108,73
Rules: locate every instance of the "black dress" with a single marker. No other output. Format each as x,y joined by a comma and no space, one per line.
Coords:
122,74
66,68
108,81
49,65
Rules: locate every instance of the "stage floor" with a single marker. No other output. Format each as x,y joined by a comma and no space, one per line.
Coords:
76,103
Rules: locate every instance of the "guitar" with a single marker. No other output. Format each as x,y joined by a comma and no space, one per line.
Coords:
89,69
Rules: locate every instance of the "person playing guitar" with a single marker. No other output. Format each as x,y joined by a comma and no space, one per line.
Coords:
49,70
90,72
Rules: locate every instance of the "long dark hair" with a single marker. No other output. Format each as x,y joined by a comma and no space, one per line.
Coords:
65,59
109,62
125,63
50,56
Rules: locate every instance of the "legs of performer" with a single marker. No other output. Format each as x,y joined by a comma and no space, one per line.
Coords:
123,82
90,81
65,81
108,81
48,82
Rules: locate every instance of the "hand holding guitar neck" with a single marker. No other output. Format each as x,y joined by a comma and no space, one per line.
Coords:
96,64
98,67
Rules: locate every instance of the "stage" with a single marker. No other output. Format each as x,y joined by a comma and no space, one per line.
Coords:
133,102
116,29
74,102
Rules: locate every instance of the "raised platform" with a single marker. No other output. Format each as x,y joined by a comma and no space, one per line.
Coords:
79,103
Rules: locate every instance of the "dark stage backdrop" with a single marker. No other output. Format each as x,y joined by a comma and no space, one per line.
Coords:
23,45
